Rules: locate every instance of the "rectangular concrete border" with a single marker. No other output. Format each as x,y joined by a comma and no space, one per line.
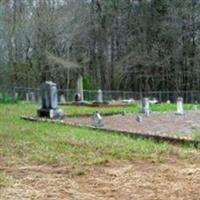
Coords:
157,138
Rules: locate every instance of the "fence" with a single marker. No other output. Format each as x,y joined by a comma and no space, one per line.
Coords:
33,94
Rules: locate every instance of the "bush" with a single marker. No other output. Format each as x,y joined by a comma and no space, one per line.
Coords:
7,98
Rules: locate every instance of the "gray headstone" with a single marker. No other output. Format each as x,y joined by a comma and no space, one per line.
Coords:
49,101
27,97
32,96
139,119
99,96
97,120
77,98
180,110
49,95
145,106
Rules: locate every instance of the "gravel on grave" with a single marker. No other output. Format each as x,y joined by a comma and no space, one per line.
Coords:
167,123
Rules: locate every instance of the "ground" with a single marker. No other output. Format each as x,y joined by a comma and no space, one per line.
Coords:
147,180
50,161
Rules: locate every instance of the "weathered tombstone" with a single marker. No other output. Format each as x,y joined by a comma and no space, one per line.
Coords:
62,99
27,97
168,102
32,96
97,120
77,98
80,87
16,95
99,96
180,110
145,106
139,119
49,101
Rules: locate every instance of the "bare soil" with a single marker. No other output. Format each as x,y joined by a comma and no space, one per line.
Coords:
147,180
170,124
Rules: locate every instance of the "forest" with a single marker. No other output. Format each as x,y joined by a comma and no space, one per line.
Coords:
132,45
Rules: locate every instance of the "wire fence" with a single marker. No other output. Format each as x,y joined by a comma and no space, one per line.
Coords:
68,95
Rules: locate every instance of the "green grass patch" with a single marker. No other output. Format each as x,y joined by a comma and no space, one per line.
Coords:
44,143
7,98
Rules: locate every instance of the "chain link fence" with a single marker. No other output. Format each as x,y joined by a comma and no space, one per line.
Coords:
67,95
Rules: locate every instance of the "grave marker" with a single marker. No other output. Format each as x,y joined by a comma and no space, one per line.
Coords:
99,96
49,101
80,87
180,110
32,96
16,95
145,106
62,99
27,97
97,120
77,98
139,119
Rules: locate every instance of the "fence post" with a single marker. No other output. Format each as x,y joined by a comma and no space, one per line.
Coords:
192,100
160,96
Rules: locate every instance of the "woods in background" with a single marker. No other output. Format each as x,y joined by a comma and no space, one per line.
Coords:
138,45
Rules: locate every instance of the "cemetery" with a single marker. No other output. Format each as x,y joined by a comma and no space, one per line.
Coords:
179,126
134,144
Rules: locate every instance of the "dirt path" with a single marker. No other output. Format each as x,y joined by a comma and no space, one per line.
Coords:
119,180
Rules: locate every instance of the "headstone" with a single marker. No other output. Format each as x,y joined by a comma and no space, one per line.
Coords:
99,96
77,98
139,119
32,96
49,101
97,120
168,102
16,95
80,87
180,110
145,106
27,97
62,99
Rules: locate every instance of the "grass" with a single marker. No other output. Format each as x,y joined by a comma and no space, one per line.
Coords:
6,98
77,110
23,142
4,179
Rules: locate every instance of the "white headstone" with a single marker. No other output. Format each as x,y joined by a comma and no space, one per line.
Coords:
16,95
99,96
62,99
168,102
97,120
180,110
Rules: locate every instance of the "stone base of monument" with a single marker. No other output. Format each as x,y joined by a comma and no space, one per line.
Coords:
50,113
